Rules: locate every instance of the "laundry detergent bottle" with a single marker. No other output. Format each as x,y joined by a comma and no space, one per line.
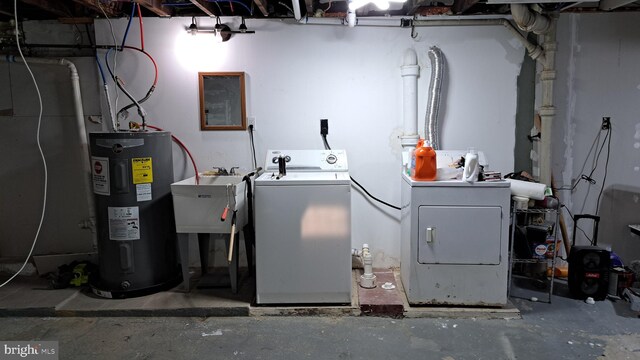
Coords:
471,166
412,161
426,166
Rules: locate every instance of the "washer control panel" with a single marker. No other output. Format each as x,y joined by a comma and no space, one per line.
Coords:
308,160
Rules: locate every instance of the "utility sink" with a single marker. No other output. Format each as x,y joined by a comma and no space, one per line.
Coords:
198,207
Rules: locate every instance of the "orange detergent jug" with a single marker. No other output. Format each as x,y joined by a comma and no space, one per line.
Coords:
425,163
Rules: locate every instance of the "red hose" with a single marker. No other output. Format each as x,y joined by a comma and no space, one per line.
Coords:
141,28
195,168
155,66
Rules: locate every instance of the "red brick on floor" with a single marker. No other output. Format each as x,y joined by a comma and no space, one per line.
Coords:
378,301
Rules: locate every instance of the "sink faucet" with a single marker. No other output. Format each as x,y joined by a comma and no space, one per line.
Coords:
233,170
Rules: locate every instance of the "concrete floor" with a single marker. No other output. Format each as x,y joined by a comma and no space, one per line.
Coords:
564,329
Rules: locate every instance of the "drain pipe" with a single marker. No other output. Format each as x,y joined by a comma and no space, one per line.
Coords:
539,24
368,279
297,14
82,133
410,70
534,51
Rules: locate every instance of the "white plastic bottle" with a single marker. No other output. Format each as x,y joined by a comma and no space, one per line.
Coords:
471,167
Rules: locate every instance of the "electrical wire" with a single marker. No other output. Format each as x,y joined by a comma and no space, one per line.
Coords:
115,65
44,161
606,169
231,2
327,147
596,140
574,220
104,78
182,145
253,147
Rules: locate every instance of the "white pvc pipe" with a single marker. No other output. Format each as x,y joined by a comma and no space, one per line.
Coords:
297,14
410,71
528,20
82,132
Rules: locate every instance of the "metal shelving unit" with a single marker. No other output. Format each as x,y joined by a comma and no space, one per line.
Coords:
534,216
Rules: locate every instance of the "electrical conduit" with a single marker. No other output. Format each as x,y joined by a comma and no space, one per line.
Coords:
82,133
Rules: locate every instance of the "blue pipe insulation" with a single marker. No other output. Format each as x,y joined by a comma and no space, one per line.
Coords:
126,32
104,79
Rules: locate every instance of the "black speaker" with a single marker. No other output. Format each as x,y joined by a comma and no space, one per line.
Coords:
588,265
589,272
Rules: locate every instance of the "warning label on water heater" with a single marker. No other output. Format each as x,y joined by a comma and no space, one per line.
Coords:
100,175
142,170
124,223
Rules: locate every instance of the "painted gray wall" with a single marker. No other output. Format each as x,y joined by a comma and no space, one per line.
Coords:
599,76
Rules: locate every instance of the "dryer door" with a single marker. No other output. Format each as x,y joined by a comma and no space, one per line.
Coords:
459,235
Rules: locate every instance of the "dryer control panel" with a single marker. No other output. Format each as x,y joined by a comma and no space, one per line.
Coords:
308,160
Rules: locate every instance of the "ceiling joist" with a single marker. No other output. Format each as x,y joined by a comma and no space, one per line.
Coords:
156,7
111,9
262,5
52,7
204,7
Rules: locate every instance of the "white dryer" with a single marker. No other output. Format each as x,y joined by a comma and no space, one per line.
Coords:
303,228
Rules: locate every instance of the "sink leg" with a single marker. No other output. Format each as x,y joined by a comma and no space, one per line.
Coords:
203,247
183,249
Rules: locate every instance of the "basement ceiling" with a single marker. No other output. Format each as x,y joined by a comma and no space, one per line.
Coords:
84,11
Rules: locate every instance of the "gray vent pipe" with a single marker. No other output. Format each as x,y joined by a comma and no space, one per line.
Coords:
435,91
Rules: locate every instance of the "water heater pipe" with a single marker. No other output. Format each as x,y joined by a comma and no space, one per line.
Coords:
82,132
410,71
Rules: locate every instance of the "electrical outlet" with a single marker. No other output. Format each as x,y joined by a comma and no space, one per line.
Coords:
324,126
251,120
606,123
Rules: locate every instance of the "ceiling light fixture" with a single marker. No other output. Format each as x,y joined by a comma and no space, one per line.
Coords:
193,28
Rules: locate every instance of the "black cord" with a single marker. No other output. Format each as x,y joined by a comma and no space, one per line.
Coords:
253,147
606,168
371,196
589,177
574,220
327,147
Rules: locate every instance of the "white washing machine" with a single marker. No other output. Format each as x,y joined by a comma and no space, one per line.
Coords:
303,229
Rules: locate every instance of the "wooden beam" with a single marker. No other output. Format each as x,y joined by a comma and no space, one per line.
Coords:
75,20
52,7
110,9
460,6
608,5
204,6
155,6
262,5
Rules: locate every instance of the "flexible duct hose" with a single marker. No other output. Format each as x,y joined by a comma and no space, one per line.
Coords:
435,91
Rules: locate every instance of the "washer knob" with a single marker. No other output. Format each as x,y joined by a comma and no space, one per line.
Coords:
274,160
331,159
287,158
